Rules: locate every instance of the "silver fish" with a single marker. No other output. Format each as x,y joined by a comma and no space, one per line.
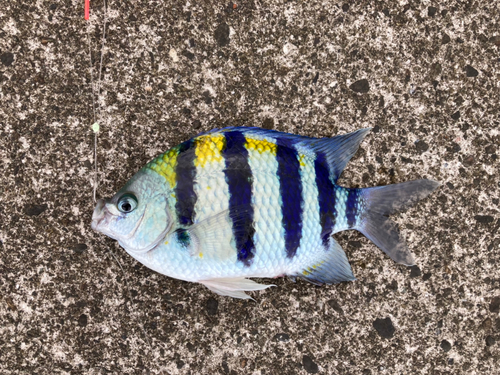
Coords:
238,203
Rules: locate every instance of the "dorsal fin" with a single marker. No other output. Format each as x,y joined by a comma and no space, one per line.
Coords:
336,151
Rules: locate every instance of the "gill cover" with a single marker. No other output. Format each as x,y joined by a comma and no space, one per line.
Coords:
150,226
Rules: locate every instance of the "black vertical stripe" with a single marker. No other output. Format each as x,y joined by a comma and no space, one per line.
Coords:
239,180
185,172
326,198
352,207
291,195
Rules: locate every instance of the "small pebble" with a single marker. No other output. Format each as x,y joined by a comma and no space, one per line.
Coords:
384,327
445,345
361,86
309,365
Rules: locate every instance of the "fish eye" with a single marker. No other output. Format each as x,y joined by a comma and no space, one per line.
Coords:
127,203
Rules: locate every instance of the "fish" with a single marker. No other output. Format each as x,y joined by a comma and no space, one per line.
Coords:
238,203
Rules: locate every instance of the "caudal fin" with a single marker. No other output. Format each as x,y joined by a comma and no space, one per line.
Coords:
381,201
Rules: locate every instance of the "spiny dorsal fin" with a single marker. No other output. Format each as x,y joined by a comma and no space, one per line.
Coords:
338,150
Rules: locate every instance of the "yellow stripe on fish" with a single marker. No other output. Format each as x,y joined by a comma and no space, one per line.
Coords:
260,145
301,160
165,164
208,149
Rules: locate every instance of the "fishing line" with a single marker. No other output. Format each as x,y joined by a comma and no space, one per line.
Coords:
95,125
97,115
96,93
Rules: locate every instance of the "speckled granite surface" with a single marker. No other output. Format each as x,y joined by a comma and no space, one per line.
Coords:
424,74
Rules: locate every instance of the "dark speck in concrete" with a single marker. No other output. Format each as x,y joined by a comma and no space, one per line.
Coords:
431,11
445,39
384,327
79,248
82,320
445,345
212,305
7,58
486,324
495,304
196,124
188,54
469,160
456,115
186,111
491,149
484,219
309,365
315,79
435,70
470,71
490,340
222,34
284,337
355,244
495,40
421,146
335,305
455,147
361,86
268,123
35,209
415,271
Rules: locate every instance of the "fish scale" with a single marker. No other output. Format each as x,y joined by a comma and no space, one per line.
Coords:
266,200
237,203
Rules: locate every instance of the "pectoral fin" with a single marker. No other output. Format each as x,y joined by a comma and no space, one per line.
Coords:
233,287
213,237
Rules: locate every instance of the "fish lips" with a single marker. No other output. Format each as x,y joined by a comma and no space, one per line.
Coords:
100,218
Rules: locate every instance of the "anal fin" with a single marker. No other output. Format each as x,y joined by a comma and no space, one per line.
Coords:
330,267
233,287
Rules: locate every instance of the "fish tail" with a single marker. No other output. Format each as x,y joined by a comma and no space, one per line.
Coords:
379,202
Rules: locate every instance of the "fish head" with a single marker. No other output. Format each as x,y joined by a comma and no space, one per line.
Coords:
138,216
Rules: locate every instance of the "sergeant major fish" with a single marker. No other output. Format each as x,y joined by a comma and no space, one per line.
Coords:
238,203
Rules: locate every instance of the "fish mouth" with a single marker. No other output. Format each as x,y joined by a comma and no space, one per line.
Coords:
99,215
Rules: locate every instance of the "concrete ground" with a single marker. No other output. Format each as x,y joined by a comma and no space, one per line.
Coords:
424,74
